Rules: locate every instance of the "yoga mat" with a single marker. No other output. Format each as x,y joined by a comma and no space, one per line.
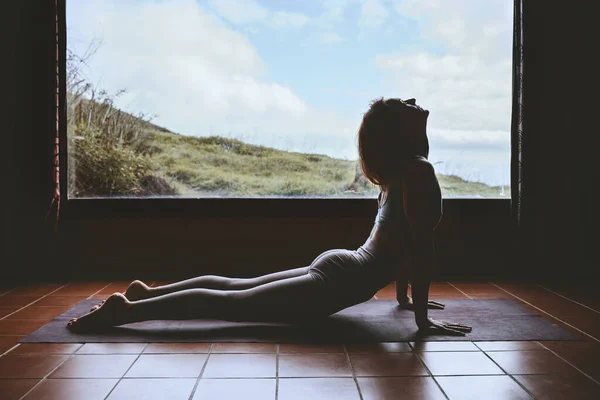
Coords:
369,322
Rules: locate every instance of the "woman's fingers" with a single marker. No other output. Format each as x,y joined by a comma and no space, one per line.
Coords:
446,330
458,327
435,305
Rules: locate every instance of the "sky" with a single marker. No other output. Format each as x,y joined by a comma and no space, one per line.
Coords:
299,74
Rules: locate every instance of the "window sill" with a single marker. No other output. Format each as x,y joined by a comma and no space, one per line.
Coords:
153,207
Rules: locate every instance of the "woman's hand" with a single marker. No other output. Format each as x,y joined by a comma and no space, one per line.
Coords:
433,327
407,304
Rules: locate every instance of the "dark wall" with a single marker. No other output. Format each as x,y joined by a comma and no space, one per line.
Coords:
561,110
27,116
473,240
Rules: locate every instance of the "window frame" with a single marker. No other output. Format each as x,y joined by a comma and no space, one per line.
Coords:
174,207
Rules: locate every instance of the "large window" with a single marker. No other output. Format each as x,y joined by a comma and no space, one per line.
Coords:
257,98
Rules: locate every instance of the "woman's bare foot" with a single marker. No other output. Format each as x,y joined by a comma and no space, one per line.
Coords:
137,290
110,313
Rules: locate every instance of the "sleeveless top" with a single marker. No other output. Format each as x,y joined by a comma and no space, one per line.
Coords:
390,215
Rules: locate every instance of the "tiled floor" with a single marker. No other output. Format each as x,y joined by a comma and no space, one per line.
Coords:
431,370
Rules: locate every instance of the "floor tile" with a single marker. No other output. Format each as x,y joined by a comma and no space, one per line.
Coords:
4,311
35,312
94,366
14,389
509,346
314,365
115,287
250,348
390,364
112,348
153,389
591,326
459,363
240,366
247,389
9,300
414,388
531,362
443,346
8,342
36,289
20,326
29,366
586,360
567,345
80,289
560,387
317,389
167,366
67,389
60,300
177,348
482,387
287,348
46,348
383,347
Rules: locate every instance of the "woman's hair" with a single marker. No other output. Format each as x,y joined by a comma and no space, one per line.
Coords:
389,136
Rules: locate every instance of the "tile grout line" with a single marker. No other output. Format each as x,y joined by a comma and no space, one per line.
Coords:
571,300
7,292
278,348
469,297
428,371
33,302
353,372
572,365
125,373
547,313
51,372
509,375
210,349
98,291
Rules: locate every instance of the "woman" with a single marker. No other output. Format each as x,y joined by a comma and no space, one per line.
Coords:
393,149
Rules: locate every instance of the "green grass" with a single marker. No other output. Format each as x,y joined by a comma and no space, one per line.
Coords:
227,167
118,156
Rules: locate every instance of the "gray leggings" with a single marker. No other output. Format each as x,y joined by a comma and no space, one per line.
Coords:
321,289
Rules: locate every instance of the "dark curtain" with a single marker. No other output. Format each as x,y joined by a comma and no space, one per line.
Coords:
554,127
30,127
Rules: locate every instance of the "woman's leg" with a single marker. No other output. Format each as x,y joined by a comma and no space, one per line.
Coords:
138,290
292,299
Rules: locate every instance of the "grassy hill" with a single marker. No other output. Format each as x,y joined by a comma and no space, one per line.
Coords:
113,153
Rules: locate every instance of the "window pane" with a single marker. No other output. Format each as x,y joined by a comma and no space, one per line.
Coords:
246,98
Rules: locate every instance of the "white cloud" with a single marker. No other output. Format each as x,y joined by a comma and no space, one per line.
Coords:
331,37
197,75
372,14
250,12
467,85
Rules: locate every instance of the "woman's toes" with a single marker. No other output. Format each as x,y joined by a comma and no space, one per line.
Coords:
97,307
110,313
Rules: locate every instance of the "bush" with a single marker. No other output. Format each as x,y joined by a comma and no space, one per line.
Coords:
104,170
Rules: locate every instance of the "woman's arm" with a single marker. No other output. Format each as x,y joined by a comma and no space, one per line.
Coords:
423,209
404,300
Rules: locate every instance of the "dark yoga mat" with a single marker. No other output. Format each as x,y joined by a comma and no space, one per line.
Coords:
370,322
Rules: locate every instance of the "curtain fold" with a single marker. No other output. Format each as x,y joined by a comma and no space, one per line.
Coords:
53,213
517,181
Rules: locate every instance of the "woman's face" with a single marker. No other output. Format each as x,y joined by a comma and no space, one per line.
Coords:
418,122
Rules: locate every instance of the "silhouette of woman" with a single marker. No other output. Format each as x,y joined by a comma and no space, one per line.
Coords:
393,149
